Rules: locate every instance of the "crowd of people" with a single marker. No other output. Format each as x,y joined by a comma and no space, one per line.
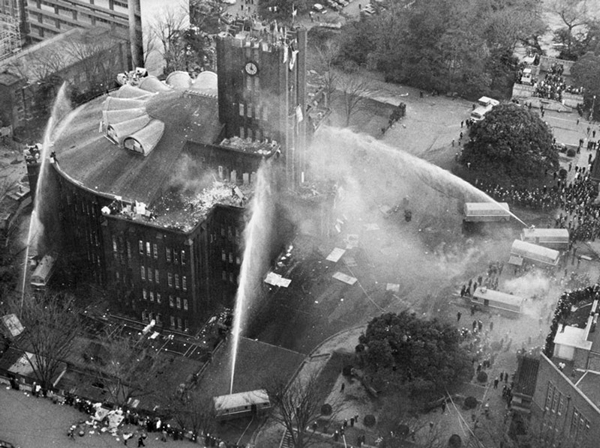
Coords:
554,84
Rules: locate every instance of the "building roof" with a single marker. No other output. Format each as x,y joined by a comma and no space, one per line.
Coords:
526,375
589,385
534,252
572,337
98,164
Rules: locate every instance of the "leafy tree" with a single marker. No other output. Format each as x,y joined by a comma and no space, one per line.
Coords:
512,142
585,74
296,407
51,323
406,348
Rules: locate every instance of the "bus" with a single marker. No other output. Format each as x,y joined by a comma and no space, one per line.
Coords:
243,404
484,105
496,299
535,253
43,273
486,211
552,238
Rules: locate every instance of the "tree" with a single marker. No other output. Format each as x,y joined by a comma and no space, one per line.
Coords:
511,142
51,322
573,13
297,407
353,92
166,37
125,366
585,74
404,348
193,412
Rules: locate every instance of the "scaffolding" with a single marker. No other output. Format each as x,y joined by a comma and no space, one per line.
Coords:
10,36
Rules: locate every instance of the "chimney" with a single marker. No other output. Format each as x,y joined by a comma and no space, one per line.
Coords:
135,33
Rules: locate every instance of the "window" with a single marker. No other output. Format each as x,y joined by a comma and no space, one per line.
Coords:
223,255
168,254
149,274
158,297
176,281
151,296
155,250
231,277
238,260
183,257
178,302
555,401
170,279
179,323
148,253
156,276
186,326
549,396
144,294
184,283
241,110
158,319
230,257
561,404
172,319
185,304
118,276
141,247
171,302
143,272
114,241
128,249
175,257
224,275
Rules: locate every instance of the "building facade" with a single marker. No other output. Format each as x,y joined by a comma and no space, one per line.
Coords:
153,179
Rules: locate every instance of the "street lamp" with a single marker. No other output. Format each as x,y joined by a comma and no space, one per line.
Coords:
593,107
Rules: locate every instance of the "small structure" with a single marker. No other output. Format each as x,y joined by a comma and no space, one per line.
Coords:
534,253
552,238
497,299
242,404
43,273
486,211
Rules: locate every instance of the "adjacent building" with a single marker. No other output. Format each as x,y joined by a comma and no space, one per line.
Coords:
565,408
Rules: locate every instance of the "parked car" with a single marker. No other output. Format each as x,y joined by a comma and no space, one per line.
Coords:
317,7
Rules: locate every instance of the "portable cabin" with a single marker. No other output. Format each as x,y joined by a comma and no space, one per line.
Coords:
486,211
43,273
553,238
242,404
496,299
534,253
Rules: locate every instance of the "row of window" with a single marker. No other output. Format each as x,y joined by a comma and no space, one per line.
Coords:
224,257
232,278
151,250
174,302
555,403
147,274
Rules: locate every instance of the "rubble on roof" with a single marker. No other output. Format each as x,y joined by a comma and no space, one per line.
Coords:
265,147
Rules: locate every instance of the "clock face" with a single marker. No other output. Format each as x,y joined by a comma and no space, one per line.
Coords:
251,68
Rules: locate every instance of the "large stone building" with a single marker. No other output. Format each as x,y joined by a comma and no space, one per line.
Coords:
153,179
565,409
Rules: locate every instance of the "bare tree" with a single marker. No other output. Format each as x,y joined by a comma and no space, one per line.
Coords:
51,322
326,56
573,13
297,407
166,35
194,412
126,367
354,93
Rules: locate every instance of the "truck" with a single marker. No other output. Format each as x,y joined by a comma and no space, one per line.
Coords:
484,105
486,211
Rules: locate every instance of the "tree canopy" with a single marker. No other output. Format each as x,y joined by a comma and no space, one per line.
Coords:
585,73
412,349
447,45
512,142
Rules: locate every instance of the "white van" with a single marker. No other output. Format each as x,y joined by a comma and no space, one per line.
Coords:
485,104
527,76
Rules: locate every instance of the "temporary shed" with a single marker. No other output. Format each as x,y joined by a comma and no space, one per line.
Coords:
146,139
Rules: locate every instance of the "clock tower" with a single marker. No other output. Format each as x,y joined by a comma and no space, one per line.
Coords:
262,91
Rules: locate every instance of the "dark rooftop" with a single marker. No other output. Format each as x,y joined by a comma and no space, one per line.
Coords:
526,375
589,385
85,155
